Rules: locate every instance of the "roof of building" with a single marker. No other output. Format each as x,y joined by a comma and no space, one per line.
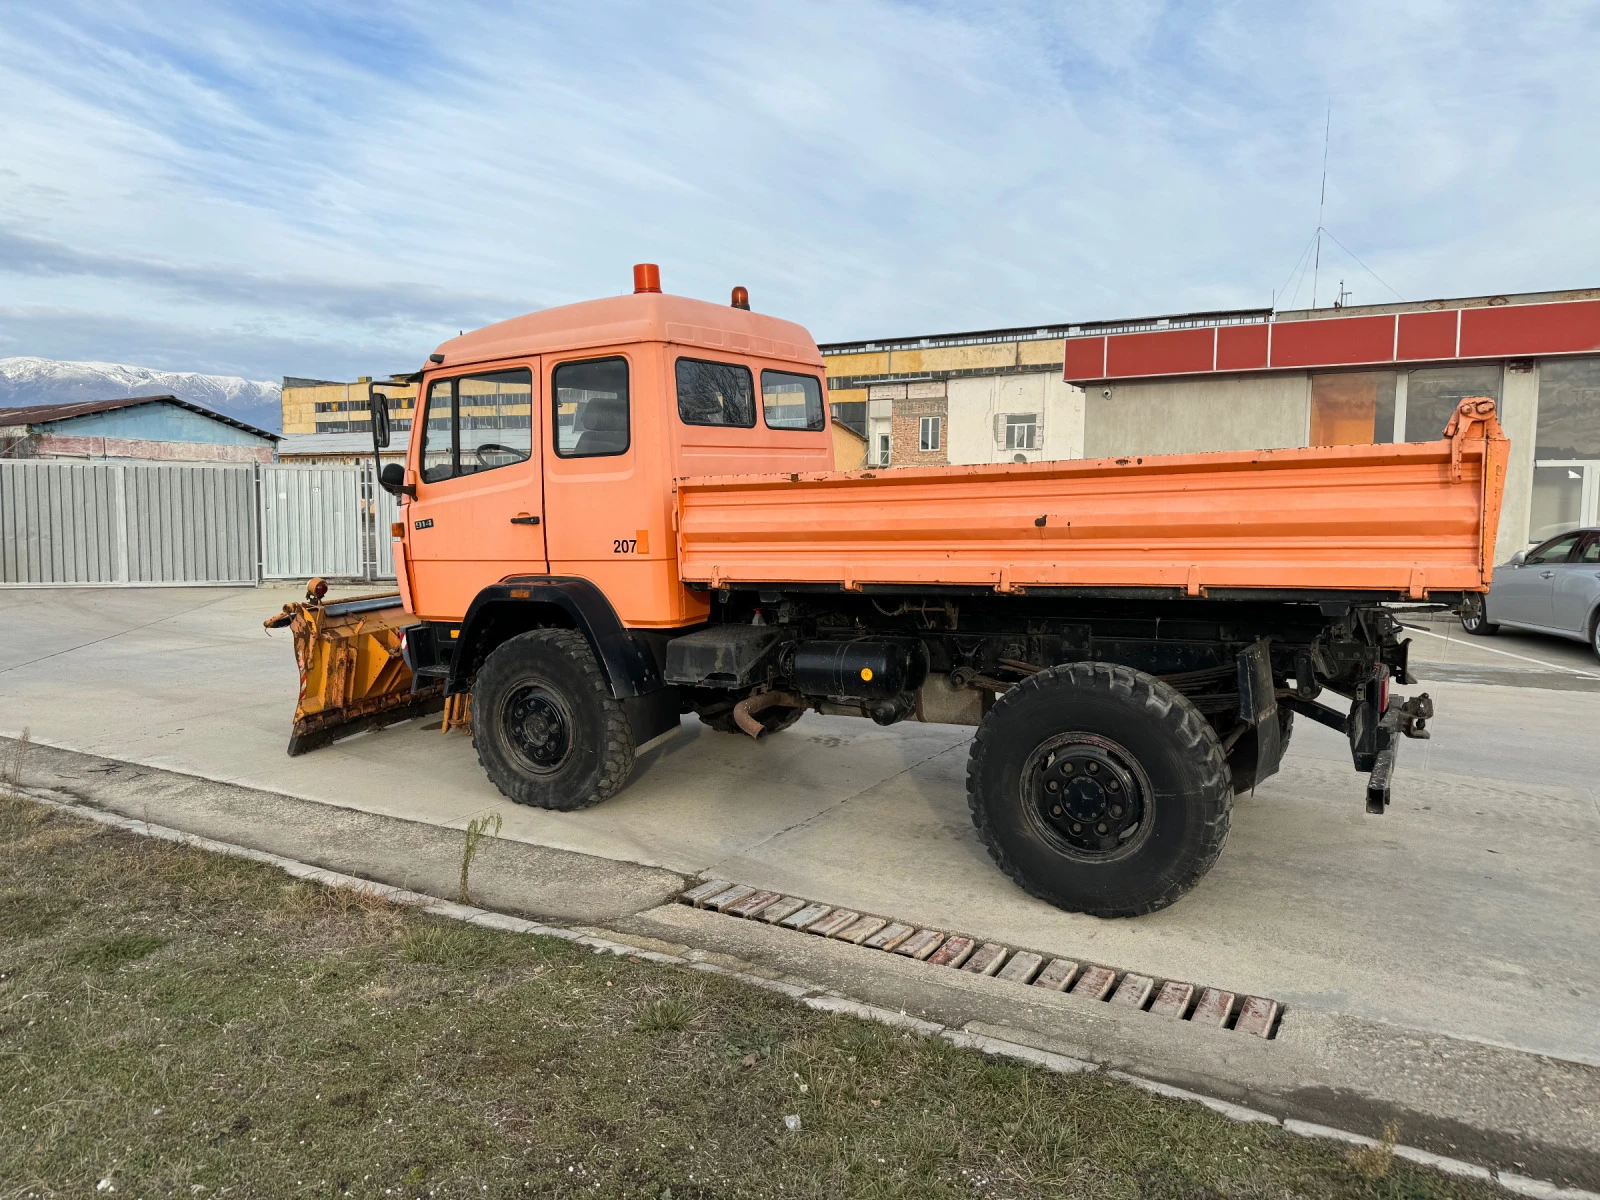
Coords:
297,445
1530,325
44,414
640,317
1196,320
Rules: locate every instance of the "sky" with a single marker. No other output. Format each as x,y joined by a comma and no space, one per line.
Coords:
330,190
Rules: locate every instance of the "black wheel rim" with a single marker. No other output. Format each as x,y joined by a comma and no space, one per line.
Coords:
538,727
1087,795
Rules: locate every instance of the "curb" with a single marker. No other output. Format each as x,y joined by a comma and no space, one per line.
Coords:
814,997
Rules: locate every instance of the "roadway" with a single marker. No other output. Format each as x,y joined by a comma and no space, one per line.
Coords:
1470,909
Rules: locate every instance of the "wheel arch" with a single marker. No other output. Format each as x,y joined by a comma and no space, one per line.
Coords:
516,605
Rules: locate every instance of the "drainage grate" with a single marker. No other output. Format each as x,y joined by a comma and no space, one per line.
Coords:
1215,1008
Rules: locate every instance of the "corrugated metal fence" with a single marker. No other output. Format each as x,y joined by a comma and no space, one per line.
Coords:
140,524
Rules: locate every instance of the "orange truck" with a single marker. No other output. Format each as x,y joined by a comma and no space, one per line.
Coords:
620,512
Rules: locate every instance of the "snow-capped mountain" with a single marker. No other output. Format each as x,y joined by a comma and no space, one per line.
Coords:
29,381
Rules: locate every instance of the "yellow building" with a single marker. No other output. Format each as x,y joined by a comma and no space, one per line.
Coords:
322,406
866,379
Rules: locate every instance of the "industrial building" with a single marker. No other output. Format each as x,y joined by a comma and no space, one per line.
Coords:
159,428
1251,379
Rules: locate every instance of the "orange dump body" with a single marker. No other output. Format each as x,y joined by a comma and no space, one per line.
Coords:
1407,520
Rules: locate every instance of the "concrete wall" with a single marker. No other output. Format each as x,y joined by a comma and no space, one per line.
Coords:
155,423
1519,417
849,447
1188,416
975,401
54,445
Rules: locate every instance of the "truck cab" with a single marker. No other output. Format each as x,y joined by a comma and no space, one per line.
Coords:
547,445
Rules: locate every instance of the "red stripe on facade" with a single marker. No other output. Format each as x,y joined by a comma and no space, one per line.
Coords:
1167,352
1518,329
1426,335
1335,341
1242,347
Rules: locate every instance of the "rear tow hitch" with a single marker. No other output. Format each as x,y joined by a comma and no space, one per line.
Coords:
1409,717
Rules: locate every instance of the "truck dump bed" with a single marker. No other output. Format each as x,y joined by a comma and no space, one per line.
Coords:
1403,520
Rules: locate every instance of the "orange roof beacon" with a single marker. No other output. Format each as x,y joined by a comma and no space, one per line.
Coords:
618,512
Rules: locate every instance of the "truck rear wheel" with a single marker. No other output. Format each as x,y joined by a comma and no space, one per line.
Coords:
547,730
1099,789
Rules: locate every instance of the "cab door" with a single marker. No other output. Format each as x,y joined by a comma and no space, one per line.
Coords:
478,513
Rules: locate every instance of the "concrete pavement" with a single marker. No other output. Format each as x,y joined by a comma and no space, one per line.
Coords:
1471,909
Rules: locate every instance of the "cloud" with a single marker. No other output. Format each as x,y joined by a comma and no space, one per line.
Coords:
324,184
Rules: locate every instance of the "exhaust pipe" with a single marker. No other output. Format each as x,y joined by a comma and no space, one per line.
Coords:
744,712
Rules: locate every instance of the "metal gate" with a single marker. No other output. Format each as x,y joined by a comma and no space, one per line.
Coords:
142,524
132,524
312,521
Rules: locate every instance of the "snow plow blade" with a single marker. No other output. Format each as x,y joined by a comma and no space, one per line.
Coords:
352,675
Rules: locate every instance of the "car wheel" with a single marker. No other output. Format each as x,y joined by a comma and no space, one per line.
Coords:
1475,615
1594,634
1099,789
547,730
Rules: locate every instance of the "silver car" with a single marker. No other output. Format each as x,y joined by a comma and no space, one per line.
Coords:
1553,588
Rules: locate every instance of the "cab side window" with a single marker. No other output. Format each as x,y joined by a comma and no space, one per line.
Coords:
1553,551
714,393
476,423
591,408
791,401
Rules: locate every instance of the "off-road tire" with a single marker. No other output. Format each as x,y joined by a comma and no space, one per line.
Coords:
1242,761
557,665
1475,616
1189,797
773,720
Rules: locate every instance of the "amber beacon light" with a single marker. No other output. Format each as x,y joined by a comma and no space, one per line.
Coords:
646,278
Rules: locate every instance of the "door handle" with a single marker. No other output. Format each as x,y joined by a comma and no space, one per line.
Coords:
1547,574
524,520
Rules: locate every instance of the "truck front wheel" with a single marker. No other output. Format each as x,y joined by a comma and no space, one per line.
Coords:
1099,789
547,730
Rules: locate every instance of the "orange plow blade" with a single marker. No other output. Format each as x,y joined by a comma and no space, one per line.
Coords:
352,675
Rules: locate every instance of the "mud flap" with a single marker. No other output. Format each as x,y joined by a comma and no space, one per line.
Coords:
1258,706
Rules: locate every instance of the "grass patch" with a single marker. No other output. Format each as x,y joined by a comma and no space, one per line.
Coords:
112,952
289,1040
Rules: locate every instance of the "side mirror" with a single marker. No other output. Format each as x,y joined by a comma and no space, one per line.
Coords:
378,405
1517,559
392,478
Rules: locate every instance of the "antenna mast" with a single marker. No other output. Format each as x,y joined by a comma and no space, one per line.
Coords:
1322,202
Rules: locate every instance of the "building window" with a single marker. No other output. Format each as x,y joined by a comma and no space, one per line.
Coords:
1566,469
791,401
1432,395
477,423
591,407
1352,408
883,449
1022,431
715,393
928,436
852,414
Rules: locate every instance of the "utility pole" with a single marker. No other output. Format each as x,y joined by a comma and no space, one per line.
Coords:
1322,202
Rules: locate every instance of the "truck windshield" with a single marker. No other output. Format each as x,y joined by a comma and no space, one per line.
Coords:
791,401
476,423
